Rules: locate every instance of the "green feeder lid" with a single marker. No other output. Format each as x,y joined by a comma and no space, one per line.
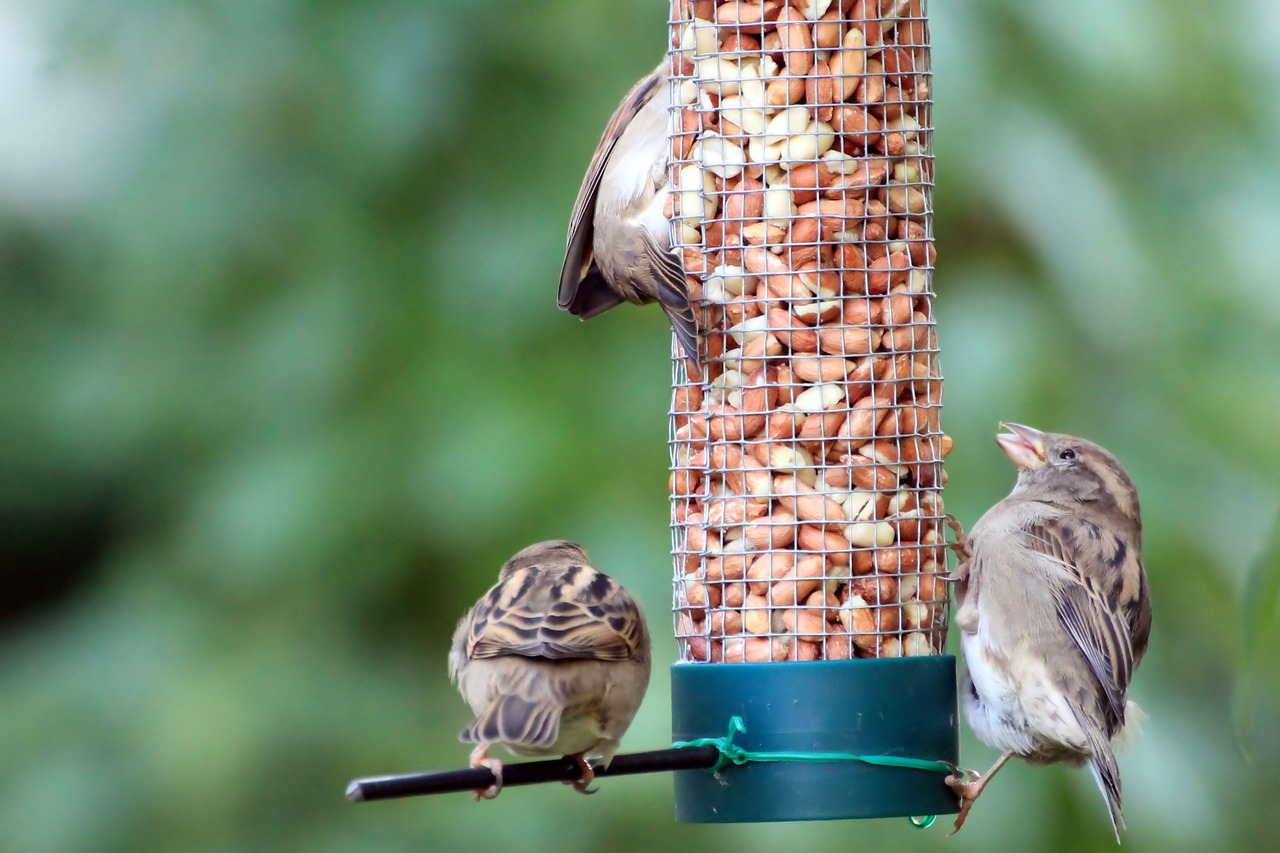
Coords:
821,740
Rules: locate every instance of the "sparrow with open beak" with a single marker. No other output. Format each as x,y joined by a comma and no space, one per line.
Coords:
553,660
1053,612
619,246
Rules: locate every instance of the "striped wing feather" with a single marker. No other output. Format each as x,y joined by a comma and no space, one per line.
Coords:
561,613
1088,605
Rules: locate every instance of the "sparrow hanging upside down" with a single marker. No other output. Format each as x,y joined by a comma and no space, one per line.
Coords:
1054,613
553,660
619,246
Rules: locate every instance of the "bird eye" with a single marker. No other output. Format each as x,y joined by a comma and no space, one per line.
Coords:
1067,455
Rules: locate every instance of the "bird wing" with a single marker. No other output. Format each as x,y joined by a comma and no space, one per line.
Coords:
1087,600
579,257
559,613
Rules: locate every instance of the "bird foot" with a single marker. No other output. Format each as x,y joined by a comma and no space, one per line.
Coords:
960,547
968,784
480,758
588,776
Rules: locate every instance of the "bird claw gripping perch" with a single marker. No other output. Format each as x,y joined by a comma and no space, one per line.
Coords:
480,758
961,549
964,782
583,784
960,777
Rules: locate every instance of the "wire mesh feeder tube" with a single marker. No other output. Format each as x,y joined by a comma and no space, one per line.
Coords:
806,450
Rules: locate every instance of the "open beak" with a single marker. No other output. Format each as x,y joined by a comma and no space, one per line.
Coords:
1022,444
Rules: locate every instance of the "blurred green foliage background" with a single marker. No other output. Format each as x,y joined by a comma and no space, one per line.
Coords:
282,382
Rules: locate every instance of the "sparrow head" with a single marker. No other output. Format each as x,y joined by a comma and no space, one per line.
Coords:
553,550
1062,469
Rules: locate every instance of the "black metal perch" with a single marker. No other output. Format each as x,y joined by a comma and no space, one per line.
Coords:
528,773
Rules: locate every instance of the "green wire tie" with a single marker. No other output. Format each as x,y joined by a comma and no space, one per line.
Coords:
732,754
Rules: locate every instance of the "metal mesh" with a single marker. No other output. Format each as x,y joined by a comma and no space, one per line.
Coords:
806,451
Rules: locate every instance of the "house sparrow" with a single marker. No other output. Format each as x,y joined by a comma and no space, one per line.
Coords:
1053,612
553,660
619,246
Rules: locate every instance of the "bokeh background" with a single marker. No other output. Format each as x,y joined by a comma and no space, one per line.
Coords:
282,382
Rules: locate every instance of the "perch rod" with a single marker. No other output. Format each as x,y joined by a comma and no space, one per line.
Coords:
528,773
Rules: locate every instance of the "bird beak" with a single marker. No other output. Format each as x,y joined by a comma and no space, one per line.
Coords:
1022,444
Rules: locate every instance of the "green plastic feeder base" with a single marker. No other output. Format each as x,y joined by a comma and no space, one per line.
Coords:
902,707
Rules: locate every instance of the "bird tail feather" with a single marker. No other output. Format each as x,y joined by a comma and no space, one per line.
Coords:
1106,772
686,330
516,722
673,295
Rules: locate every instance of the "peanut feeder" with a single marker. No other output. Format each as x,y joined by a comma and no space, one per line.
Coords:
806,449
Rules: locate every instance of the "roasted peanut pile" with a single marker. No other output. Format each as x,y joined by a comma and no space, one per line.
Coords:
806,450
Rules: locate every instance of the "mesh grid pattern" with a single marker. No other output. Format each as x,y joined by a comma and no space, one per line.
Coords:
806,449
